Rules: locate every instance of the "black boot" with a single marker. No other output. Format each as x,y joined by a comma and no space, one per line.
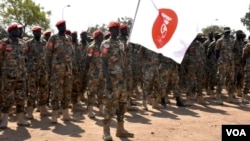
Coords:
179,102
163,102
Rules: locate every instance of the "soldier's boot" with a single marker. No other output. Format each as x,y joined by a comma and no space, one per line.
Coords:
130,107
1,116
91,112
149,100
101,109
212,95
201,100
30,113
239,93
156,104
232,99
4,123
54,116
66,116
43,111
219,99
188,101
106,132
77,107
179,102
244,99
144,105
121,132
21,120
167,99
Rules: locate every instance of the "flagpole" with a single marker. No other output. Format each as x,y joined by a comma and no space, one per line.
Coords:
137,7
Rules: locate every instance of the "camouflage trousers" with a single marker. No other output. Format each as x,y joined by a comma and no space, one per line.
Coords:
115,100
238,76
37,89
96,87
194,79
169,77
211,76
13,93
61,86
76,86
225,77
246,85
151,82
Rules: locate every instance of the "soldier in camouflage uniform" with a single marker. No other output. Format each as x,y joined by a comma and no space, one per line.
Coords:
212,66
195,69
77,75
37,74
207,67
95,73
128,69
115,96
46,35
59,52
225,72
246,64
84,45
168,71
13,69
238,66
151,79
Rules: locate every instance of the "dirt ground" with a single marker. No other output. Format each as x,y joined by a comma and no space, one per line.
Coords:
193,123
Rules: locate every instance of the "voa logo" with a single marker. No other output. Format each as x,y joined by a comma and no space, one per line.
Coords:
236,132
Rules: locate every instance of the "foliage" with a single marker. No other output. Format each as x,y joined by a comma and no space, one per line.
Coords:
212,28
24,12
246,19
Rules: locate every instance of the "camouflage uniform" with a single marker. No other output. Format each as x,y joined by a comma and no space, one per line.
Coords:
212,66
169,79
37,74
77,75
59,52
95,76
13,80
225,72
195,69
238,66
151,80
246,62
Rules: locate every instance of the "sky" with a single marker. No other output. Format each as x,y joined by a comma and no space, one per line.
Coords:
84,13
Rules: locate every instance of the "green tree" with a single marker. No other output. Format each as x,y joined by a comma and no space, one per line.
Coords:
246,19
24,12
212,28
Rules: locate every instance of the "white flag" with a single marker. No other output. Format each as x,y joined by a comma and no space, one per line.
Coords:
165,26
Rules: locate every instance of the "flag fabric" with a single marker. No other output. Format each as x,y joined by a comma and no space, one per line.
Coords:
165,26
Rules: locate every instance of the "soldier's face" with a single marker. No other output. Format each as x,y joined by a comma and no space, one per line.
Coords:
114,31
62,28
37,34
14,32
84,36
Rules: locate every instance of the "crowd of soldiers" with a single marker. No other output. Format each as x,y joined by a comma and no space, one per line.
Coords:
56,71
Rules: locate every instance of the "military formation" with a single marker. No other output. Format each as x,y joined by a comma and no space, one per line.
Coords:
60,73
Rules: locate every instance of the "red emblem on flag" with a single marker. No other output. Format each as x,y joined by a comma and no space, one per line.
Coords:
164,27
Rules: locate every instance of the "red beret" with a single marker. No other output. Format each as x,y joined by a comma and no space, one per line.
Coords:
83,32
60,23
113,24
68,32
97,33
47,32
36,28
11,27
123,26
107,34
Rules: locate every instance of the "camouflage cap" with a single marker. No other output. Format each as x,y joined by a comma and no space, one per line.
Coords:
227,29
